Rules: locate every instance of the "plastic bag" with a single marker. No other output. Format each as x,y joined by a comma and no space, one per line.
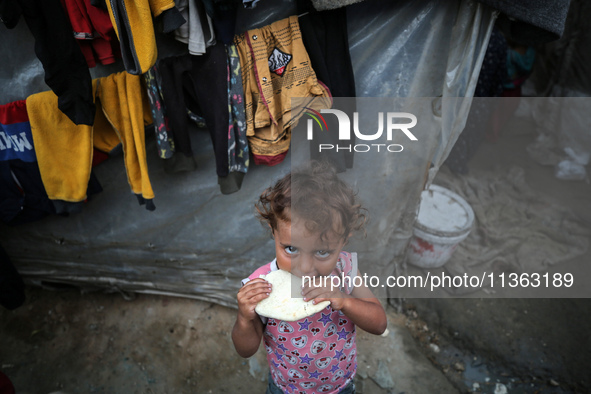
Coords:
573,168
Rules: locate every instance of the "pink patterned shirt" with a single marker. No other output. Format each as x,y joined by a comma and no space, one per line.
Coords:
317,354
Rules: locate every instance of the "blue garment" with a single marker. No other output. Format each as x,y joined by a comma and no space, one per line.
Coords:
519,66
16,142
22,195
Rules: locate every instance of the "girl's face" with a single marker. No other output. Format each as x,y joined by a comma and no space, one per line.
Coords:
303,253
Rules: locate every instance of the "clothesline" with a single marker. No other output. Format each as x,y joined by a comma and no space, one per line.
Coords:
192,86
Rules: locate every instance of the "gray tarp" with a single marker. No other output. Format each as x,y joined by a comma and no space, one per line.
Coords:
200,243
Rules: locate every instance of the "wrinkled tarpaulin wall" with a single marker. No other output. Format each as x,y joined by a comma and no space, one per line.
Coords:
199,243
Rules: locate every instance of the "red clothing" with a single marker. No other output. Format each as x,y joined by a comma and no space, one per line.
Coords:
93,31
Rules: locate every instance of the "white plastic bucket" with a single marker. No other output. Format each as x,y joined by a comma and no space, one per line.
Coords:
445,219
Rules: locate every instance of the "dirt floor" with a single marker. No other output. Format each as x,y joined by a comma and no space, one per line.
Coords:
65,341
99,343
540,345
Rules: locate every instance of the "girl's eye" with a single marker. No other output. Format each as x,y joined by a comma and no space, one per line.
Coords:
323,253
290,250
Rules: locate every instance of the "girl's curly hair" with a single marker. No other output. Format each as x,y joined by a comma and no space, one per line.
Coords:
315,194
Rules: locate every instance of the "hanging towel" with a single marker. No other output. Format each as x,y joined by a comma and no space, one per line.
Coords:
124,102
134,26
104,137
64,150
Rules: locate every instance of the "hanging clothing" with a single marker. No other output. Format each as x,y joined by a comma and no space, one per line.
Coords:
164,139
64,151
208,91
200,84
237,142
198,32
16,141
102,4
93,31
275,68
22,195
134,27
66,71
519,67
223,15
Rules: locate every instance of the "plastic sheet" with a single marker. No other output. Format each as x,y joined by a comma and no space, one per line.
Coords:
200,243
561,72
563,141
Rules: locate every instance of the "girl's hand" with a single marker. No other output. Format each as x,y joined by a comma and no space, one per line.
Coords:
250,295
325,293
248,328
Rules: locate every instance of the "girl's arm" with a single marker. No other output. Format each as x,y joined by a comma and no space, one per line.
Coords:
365,310
248,328
362,307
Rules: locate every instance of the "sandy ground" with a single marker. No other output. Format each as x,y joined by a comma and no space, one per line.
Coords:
100,343
71,342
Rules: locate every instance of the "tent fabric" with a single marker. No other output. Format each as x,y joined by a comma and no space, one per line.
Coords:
323,5
532,21
423,55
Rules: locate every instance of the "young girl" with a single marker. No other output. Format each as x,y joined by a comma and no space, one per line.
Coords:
312,214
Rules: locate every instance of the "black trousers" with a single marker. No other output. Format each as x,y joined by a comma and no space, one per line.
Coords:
200,84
